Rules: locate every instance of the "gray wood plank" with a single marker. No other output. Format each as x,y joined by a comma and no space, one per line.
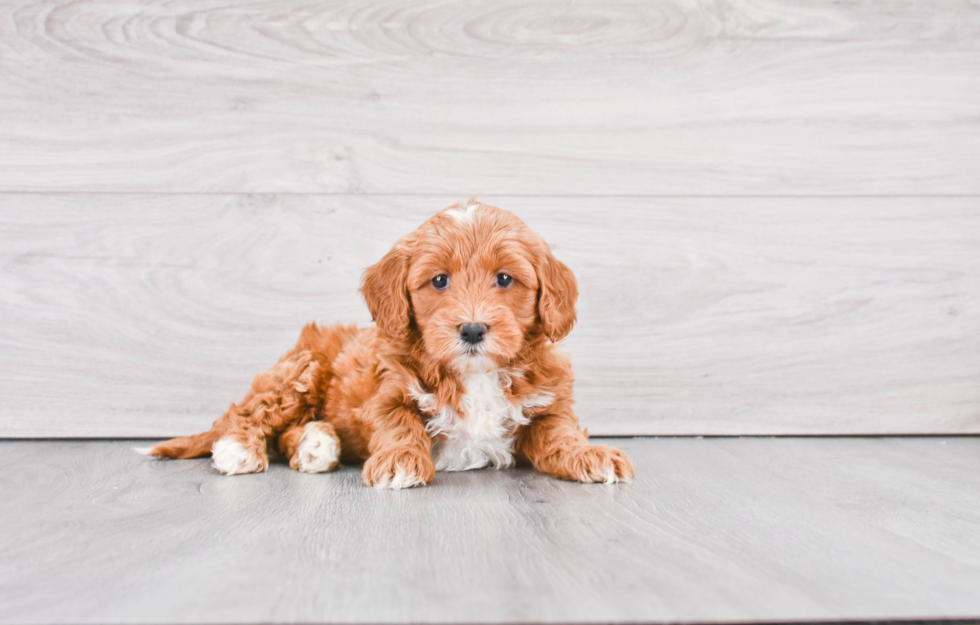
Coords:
146,315
734,530
542,97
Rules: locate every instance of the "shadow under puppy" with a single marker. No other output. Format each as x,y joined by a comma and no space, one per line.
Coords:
459,372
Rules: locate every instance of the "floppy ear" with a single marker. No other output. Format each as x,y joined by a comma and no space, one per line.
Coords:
385,289
556,297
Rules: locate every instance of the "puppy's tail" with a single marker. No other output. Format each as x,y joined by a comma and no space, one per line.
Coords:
183,447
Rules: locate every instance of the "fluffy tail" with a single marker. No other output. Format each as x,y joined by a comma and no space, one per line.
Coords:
183,447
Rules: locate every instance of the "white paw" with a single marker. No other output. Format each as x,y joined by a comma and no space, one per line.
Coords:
230,457
608,473
605,474
400,480
318,452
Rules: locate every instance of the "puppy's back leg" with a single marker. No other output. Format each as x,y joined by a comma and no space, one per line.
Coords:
241,450
238,440
312,447
280,397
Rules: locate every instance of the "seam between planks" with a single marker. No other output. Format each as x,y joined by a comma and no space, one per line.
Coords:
507,195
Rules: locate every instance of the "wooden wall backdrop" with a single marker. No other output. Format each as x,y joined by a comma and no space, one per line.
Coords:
773,207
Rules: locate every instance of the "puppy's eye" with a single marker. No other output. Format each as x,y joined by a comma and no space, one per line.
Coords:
504,281
440,282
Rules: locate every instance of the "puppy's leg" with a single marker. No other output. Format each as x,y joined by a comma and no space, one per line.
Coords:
312,447
241,450
401,452
280,397
285,394
554,444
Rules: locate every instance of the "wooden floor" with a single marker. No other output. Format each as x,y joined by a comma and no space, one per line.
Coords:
711,530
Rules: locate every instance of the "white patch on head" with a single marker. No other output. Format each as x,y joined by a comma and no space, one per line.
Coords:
318,452
467,214
402,479
230,457
483,435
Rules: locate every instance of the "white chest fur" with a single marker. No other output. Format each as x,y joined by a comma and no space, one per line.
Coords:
483,434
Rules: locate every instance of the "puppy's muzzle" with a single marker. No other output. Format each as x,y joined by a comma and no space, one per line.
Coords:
473,333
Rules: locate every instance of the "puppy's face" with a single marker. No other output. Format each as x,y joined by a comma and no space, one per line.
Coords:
473,280
473,288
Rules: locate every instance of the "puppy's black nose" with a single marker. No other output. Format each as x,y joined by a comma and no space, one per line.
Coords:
473,333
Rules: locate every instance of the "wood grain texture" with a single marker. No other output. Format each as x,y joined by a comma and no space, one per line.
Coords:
146,315
734,530
543,97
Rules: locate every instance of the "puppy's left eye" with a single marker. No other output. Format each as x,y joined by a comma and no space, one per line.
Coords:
504,281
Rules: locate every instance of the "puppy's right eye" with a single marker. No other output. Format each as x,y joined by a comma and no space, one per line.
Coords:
440,282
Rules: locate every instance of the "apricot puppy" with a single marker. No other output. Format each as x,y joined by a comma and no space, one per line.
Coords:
459,372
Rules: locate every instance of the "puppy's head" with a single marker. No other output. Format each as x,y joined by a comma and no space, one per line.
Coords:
471,283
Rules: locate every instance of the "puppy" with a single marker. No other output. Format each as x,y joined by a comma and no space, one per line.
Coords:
459,372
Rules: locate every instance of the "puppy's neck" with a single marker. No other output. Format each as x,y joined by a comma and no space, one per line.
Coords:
476,430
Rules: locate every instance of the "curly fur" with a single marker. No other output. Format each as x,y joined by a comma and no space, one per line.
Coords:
408,397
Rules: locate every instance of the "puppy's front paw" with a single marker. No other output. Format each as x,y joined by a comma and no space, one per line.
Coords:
595,463
399,468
